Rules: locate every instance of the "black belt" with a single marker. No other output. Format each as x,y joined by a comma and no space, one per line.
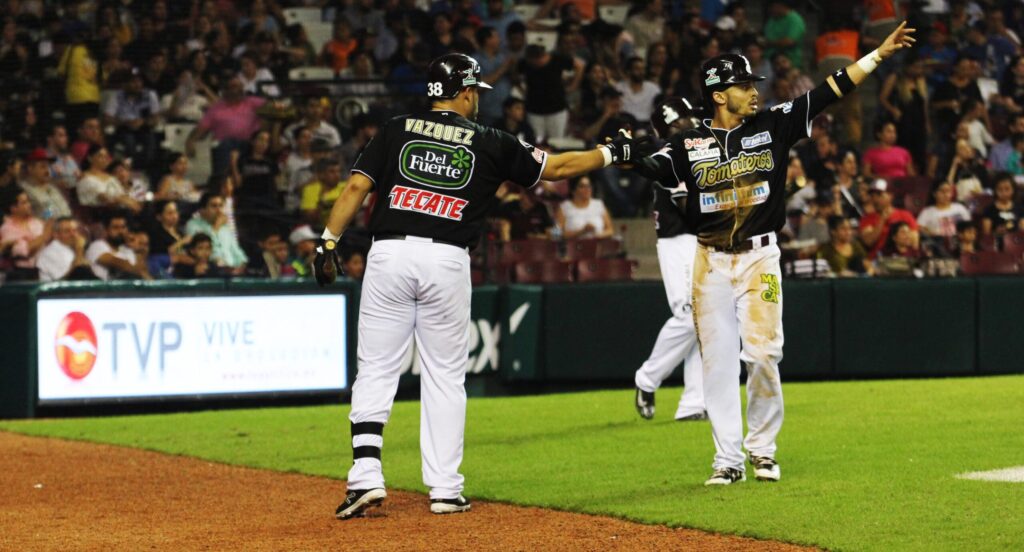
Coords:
382,237
743,246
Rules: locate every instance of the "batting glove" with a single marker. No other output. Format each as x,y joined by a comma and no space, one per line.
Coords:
327,265
626,149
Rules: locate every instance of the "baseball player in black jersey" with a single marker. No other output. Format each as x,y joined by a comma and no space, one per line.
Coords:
435,175
733,167
677,244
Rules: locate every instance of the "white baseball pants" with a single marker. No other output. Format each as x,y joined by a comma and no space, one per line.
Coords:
413,289
677,340
737,299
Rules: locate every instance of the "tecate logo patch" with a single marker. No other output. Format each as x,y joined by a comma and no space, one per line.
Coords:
427,202
691,143
75,345
437,165
756,140
729,199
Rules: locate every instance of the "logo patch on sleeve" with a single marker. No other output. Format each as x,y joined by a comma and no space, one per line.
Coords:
756,140
436,165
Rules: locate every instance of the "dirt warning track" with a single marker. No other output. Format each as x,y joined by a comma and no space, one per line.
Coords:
60,495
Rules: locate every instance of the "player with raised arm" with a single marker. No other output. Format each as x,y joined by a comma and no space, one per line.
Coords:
435,175
733,167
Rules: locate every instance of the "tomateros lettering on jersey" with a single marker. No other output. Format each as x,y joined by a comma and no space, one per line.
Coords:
731,198
440,131
436,165
427,202
709,173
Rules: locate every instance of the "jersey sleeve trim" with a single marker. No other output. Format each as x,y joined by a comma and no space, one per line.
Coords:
540,173
679,181
364,174
807,118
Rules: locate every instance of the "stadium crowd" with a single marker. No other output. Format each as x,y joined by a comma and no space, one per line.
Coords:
209,138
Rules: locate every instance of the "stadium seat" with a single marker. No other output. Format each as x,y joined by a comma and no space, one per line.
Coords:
311,73
1013,244
980,203
988,262
319,33
608,247
175,136
605,270
302,15
529,251
988,243
477,277
912,192
498,274
581,250
547,39
614,14
544,272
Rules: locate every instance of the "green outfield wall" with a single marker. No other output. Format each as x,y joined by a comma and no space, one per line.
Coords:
522,337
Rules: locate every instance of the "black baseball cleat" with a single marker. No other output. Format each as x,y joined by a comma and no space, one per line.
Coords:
725,476
358,502
449,505
765,468
645,403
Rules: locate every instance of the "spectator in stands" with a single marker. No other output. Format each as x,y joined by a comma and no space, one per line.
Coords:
949,98
200,251
176,184
623,201
596,79
845,255
875,227
805,189
99,188
167,242
318,196
523,217
995,50
760,65
797,81
46,199
966,239
232,120
901,244
335,52
256,79
495,67
661,69
546,92
647,26
999,155
967,171
938,56
90,133
638,94
297,167
274,259
364,128
212,222
134,112
64,257
298,47
940,219
442,38
583,216
22,235
353,261
815,226
314,115
110,257
978,135
499,19
1011,87
784,32
256,204
188,101
157,75
904,96
887,160
303,239
362,68
515,40
80,70
1004,214
850,187
63,167
514,120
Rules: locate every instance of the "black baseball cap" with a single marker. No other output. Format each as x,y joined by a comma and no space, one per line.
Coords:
723,71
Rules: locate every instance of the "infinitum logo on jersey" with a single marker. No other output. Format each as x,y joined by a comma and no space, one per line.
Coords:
437,165
729,199
430,203
75,345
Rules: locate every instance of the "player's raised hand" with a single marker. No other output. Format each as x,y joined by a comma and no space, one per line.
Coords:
901,38
326,265
625,149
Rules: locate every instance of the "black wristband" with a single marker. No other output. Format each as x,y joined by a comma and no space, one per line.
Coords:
843,82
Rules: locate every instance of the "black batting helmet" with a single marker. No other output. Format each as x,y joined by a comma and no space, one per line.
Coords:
450,73
726,70
673,112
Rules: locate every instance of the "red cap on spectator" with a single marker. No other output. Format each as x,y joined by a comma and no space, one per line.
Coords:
38,154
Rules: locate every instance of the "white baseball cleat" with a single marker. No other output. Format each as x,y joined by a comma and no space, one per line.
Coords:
449,505
765,468
726,476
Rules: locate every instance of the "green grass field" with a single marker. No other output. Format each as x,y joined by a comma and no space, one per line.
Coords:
866,465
